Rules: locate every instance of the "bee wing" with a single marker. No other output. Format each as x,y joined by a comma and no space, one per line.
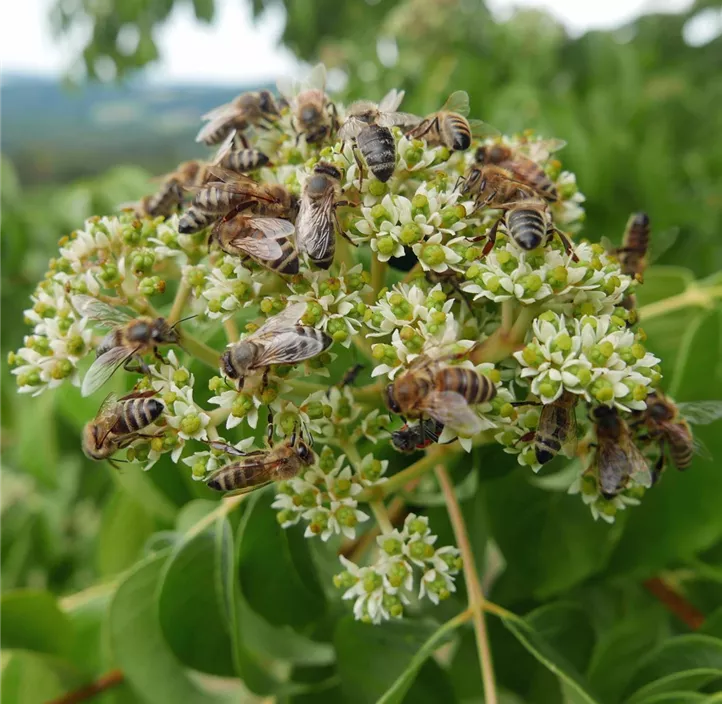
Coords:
315,227
482,130
701,412
451,408
288,87
220,110
108,402
613,467
286,318
274,228
458,102
103,368
402,119
391,101
568,435
701,449
215,124
225,147
540,150
267,250
288,347
92,308
317,77
639,469
351,128
609,246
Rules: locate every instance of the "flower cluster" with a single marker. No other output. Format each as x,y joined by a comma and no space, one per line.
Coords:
406,558
476,311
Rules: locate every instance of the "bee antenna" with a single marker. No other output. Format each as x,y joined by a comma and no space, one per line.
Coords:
178,322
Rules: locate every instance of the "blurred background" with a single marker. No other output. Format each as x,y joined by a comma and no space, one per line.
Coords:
99,96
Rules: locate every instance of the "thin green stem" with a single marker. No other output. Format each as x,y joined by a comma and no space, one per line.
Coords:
179,302
500,344
473,588
231,329
370,392
381,515
507,315
694,296
378,277
363,345
200,350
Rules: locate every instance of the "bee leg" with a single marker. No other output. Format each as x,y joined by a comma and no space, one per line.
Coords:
527,437
269,428
360,166
567,244
159,356
338,224
331,107
264,380
225,447
490,236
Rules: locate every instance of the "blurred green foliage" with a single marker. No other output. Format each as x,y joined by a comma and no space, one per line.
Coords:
642,112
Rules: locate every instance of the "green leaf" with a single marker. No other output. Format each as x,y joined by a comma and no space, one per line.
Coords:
379,663
138,485
430,686
33,678
137,640
277,576
687,504
679,663
548,656
192,608
712,625
550,544
680,697
661,282
618,653
36,418
31,620
123,532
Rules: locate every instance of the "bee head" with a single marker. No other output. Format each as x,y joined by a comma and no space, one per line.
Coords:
267,102
390,399
91,442
470,182
227,366
401,439
494,154
309,113
304,452
161,333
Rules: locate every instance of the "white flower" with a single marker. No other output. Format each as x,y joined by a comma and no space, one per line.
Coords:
450,256
187,415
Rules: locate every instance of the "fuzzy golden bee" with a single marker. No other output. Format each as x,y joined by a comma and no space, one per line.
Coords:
280,340
557,429
313,114
450,127
127,342
268,241
493,186
118,423
432,388
524,164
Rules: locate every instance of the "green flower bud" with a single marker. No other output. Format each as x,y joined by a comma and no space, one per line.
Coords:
319,522
158,445
169,398
393,605
341,488
327,459
181,376
414,155
386,245
76,346
372,470
377,188
397,574
379,213
419,205
602,390
190,424
31,378
215,383
549,388
199,470
454,562
346,516
548,317
308,499
392,546
215,305
372,581
530,419
344,580
532,355
432,254
285,515
562,342
531,283
438,587
606,508
410,234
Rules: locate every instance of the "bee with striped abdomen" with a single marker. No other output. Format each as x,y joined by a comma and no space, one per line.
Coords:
317,221
429,387
368,125
668,424
247,109
280,340
493,187
256,469
450,127
118,423
616,458
523,163
125,344
268,241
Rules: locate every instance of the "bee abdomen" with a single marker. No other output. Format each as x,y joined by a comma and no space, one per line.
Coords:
137,414
325,261
682,451
546,448
113,339
320,335
244,160
459,132
228,478
474,387
637,232
163,202
379,149
194,220
527,228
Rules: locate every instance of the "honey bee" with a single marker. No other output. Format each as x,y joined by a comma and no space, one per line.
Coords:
127,342
280,340
616,458
313,114
632,255
247,109
410,438
431,388
170,195
268,241
368,125
493,186
529,224
557,428
256,469
317,219
243,160
450,127
524,167
229,194
119,422
668,424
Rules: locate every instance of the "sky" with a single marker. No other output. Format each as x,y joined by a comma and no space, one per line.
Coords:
232,50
